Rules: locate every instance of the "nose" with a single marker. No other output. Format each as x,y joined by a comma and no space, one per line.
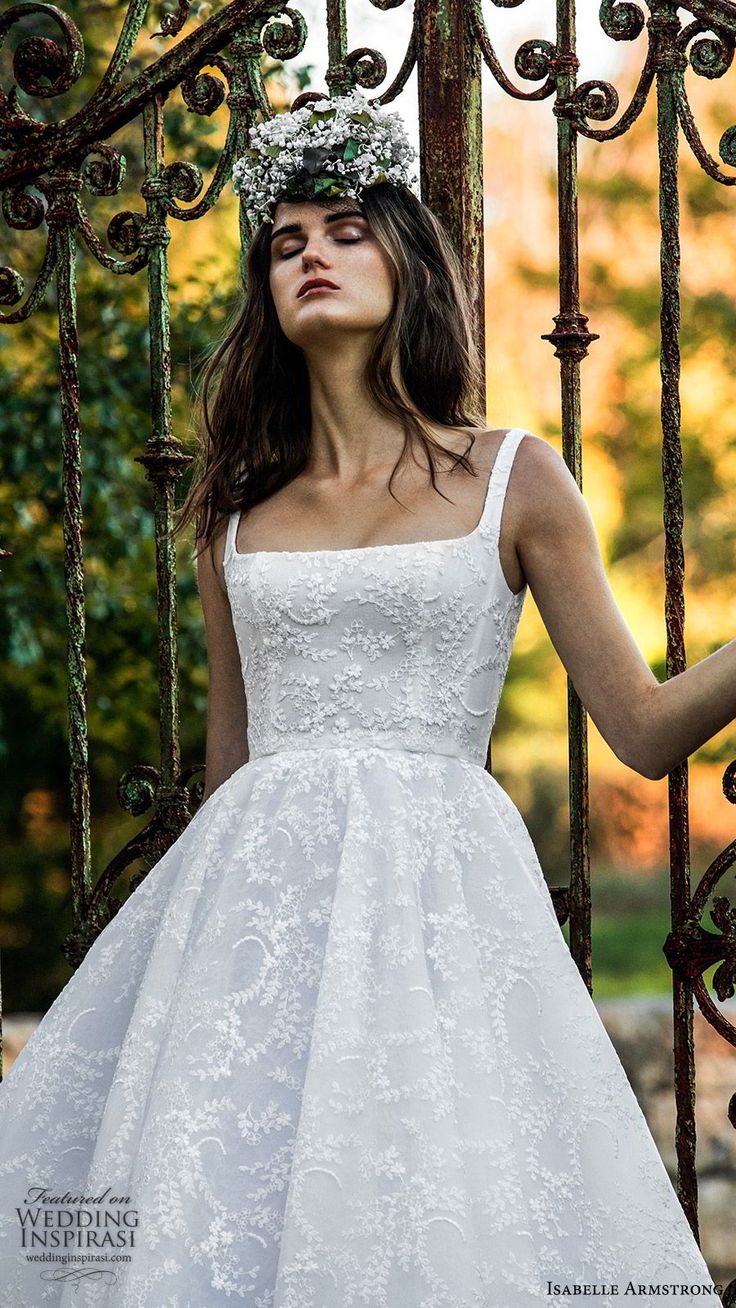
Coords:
312,251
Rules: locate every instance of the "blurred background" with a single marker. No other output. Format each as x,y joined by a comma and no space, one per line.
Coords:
622,483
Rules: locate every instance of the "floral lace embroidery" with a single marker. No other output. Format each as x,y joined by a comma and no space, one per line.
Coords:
401,645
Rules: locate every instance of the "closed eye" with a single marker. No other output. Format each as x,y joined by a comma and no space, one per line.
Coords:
341,240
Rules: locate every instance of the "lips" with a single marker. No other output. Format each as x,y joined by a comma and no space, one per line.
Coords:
314,283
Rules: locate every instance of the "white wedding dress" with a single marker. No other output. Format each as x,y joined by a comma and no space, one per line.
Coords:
334,1049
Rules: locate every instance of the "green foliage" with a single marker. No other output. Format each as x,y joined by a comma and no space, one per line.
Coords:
118,543
627,954
117,504
120,585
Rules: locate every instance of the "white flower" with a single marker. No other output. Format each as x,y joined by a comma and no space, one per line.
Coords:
304,153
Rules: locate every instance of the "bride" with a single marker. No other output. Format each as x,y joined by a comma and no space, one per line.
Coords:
334,1050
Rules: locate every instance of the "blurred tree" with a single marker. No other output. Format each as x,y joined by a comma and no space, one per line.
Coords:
120,581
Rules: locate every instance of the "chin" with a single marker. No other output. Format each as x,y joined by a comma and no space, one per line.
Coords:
325,323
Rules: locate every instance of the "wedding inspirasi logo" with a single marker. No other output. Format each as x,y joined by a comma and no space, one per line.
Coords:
76,1232
71,1221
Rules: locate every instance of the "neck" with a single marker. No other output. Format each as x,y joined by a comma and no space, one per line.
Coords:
349,434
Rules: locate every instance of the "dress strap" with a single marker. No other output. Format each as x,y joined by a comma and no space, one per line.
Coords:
499,481
232,531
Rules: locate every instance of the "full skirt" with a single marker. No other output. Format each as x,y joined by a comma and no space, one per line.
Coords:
333,1051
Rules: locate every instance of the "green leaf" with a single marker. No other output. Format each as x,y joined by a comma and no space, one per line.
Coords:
352,150
327,186
318,114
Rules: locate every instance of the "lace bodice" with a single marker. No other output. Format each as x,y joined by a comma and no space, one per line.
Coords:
403,646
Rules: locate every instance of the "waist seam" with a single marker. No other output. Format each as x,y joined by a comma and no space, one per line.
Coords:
361,748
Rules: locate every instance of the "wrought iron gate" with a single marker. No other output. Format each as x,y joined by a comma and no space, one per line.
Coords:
49,170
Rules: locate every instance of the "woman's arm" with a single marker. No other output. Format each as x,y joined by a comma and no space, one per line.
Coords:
227,715
650,726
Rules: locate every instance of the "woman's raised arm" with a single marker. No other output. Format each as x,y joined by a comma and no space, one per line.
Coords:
227,714
650,725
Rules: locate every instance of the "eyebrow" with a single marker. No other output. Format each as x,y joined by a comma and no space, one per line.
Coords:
329,218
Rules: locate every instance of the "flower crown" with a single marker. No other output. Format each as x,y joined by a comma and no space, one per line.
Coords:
337,146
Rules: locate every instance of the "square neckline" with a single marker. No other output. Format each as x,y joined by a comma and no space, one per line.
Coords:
234,552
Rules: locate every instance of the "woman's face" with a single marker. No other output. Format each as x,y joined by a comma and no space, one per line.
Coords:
308,241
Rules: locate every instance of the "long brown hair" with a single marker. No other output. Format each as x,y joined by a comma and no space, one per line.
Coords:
254,429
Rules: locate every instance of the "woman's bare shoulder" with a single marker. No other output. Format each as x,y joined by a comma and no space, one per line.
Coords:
481,451
537,464
542,481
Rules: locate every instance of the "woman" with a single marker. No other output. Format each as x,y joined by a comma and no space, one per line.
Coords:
334,1049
